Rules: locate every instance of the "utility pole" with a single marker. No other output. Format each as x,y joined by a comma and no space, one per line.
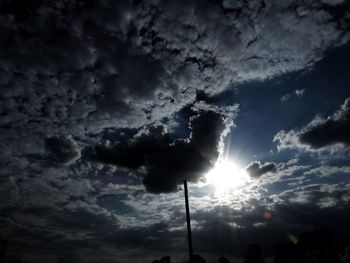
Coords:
188,219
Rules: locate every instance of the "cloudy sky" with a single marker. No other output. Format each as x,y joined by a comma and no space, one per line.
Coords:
107,106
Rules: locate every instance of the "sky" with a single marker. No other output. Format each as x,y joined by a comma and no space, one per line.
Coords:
107,106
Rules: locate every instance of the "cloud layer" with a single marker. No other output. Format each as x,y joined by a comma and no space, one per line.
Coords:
256,169
78,68
119,74
64,149
168,162
319,134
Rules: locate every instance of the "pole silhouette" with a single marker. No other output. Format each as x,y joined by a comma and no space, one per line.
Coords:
188,219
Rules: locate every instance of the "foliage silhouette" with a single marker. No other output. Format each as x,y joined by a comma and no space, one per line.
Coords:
223,260
254,254
316,247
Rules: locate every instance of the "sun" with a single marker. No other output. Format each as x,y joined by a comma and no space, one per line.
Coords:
226,176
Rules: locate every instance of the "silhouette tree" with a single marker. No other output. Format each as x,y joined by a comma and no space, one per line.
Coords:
3,246
164,259
198,259
254,254
317,247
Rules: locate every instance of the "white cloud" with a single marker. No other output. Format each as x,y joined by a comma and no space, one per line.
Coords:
285,97
322,195
117,65
299,92
321,134
324,171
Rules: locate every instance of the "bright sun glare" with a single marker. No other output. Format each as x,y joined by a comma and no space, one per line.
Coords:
226,175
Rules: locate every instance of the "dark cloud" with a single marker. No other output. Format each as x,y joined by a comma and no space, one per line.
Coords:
321,133
169,162
269,222
133,154
65,149
114,203
86,68
175,164
333,130
80,67
154,237
222,234
256,169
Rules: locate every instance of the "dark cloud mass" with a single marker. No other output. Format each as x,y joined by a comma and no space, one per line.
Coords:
169,162
80,67
256,169
104,102
331,131
64,149
133,154
320,133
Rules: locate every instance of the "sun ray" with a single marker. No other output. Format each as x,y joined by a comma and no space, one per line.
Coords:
226,176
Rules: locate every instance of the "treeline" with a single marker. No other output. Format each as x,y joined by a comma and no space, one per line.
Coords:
316,247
